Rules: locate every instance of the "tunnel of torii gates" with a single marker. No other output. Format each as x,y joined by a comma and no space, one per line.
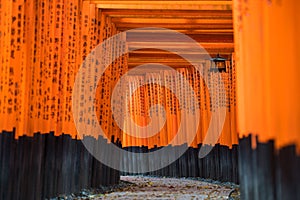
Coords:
44,43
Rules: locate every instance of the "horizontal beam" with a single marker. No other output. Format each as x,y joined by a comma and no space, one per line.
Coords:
156,1
174,61
165,2
166,5
165,55
162,53
187,31
177,46
170,21
172,64
190,26
163,60
198,14
154,69
166,37
141,58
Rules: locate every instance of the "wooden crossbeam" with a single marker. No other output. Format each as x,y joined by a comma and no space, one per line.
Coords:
178,45
162,20
162,53
174,14
176,26
209,23
164,60
166,5
173,63
161,58
150,52
188,31
166,37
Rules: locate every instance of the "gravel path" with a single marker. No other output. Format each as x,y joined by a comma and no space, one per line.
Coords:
167,188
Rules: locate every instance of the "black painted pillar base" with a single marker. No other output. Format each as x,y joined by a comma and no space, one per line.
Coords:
45,166
268,174
220,164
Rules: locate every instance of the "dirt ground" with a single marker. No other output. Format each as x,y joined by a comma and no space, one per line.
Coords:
168,188
145,187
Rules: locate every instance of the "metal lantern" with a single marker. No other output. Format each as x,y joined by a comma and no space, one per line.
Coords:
218,64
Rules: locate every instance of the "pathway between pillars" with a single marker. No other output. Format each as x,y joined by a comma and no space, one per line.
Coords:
168,188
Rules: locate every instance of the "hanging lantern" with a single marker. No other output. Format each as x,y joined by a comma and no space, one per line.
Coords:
218,64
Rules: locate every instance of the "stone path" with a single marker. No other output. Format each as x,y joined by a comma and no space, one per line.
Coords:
167,188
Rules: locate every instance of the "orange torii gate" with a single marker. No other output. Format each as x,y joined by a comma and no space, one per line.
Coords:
267,49
43,44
